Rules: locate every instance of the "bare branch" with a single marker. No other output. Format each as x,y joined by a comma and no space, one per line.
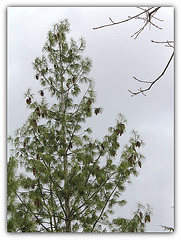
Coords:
154,11
150,12
140,90
147,15
126,20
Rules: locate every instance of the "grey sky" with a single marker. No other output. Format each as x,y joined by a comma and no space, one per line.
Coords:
116,59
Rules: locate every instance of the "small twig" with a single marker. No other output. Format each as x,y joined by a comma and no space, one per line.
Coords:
169,45
161,20
167,42
141,80
162,42
156,26
141,8
111,20
136,34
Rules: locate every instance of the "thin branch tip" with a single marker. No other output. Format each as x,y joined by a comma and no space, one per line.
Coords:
111,20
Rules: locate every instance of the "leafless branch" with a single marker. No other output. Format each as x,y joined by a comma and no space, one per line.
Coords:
140,90
149,12
147,16
126,20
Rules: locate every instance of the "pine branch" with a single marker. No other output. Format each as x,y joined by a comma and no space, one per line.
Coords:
107,200
38,220
94,193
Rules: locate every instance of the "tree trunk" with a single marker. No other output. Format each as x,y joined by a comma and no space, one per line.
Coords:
67,208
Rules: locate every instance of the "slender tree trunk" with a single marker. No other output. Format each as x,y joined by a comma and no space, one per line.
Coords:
67,208
65,160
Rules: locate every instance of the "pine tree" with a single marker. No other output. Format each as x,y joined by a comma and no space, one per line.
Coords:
59,178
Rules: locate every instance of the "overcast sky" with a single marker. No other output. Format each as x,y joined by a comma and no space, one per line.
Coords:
116,59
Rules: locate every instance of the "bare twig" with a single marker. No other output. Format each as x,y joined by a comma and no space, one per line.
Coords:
168,43
155,25
136,34
141,80
111,20
140,90
162,42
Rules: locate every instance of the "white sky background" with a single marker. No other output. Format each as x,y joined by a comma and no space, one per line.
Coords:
116,59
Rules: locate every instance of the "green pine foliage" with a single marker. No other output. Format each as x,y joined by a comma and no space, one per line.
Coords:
168,229
59,178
